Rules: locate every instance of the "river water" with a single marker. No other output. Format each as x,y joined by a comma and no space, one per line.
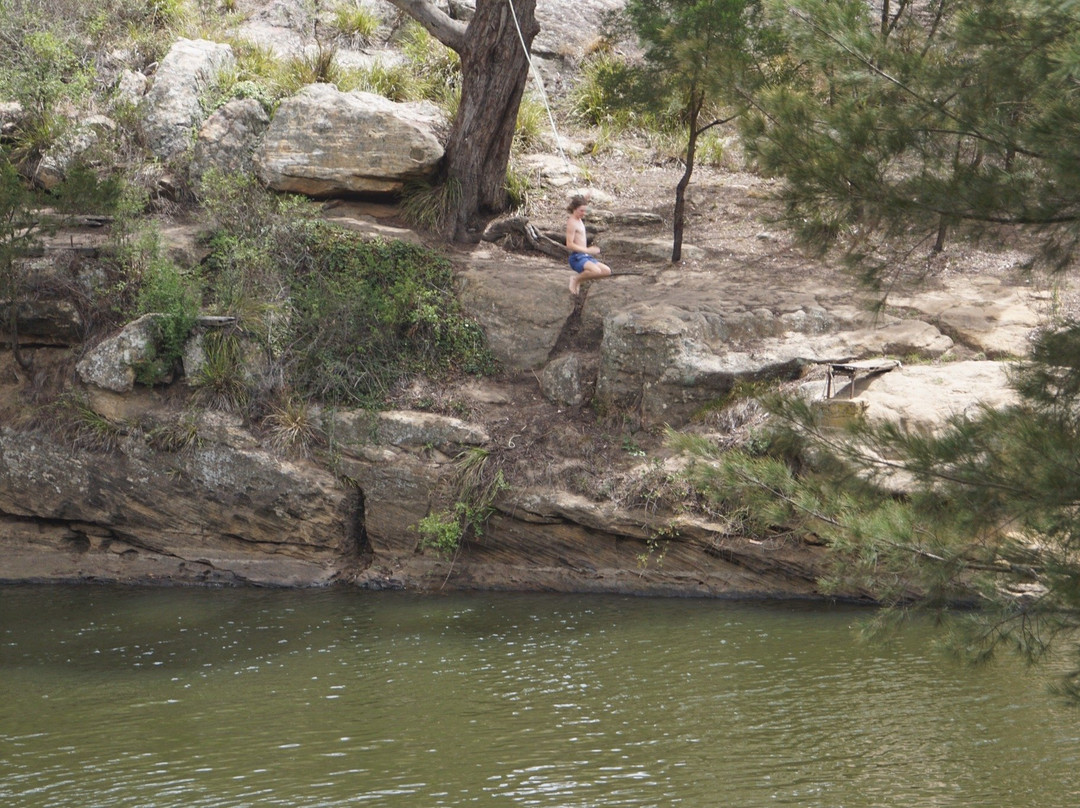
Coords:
194,697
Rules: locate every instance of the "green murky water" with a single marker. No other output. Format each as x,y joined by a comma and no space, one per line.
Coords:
180,697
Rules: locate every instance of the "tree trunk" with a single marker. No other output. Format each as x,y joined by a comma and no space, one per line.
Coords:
942,231
680,189
494,69
13,335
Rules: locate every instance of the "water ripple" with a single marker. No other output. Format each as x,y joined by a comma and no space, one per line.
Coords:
339,698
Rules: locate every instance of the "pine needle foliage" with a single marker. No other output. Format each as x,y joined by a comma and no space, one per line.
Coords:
984,514
907,123
614,91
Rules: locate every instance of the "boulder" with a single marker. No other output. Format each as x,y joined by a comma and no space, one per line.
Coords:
656,359
228,138
569,380
924,397
654,249
637,218
323,142
130,87
111,364
74,147
666,361
172,108
522,305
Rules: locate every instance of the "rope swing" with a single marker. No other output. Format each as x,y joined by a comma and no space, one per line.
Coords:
540,85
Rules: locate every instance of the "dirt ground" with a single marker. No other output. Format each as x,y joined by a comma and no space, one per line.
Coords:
733,230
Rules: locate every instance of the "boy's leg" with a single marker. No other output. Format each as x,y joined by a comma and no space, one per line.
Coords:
595,269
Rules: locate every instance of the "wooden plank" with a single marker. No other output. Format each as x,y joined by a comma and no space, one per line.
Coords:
868,367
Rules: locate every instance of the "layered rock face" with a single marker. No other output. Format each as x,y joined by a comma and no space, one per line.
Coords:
169,496
201,500
222,510
218,511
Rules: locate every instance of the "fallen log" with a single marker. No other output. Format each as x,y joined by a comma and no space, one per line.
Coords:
522,233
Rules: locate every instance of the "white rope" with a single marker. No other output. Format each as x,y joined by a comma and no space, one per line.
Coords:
540,85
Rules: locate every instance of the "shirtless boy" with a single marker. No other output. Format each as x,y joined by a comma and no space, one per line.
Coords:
581,254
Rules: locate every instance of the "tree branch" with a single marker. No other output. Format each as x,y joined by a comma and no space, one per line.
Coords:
905,88
717,122
450,32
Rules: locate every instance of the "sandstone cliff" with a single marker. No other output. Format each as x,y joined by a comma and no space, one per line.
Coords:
594,500
575,420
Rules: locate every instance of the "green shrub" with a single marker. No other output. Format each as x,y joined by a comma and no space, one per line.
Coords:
175,435
260,66
318,66
532,122
395,81
612,91
43,69
339,318
710,150
476,489
222,381
422,49
520,186
87,428
252,239
229,85
166,13
356,22
436,67
293,427
365,314
176,297
428,206
440,531
429,71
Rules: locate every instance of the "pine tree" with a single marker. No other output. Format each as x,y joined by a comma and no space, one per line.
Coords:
706,56
914,119
983,514
908,121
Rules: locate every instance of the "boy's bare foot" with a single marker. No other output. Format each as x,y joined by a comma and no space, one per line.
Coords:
575,286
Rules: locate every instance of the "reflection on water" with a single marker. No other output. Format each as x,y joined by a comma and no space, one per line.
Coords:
114,697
